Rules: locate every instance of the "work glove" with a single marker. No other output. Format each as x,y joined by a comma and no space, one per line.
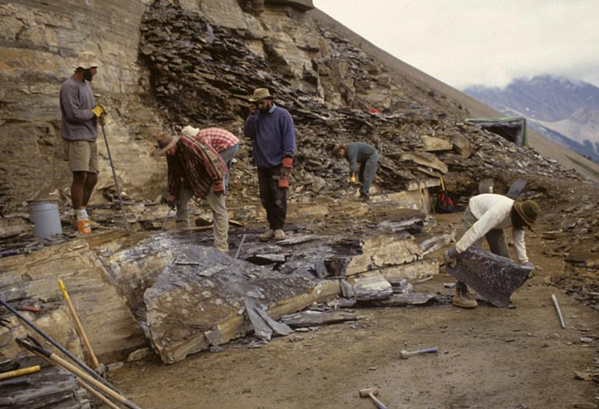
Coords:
451,257
100,114
352,178
286,166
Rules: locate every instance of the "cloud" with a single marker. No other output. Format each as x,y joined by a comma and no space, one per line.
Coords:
468,42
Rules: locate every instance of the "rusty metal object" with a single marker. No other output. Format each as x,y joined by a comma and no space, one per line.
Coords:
493,277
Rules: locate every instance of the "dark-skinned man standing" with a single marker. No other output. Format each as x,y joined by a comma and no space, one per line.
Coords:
272,131
80,118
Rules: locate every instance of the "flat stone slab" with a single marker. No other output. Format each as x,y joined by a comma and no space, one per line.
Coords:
493,277
201,299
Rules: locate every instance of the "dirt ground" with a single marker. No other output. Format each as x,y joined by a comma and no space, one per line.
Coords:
488,358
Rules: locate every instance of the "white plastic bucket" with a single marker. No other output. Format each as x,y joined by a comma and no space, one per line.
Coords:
46,218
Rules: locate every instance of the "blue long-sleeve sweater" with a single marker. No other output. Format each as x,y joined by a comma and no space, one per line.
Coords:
273,134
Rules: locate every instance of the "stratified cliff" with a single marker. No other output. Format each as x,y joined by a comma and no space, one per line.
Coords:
170,63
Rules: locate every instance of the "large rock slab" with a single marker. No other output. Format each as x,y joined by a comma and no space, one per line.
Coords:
200,299
494,277
33,280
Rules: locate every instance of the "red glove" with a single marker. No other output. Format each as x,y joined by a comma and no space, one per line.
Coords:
286,165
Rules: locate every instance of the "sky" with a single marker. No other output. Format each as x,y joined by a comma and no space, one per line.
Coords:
480,42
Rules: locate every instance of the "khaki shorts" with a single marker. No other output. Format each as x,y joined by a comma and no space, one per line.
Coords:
82,155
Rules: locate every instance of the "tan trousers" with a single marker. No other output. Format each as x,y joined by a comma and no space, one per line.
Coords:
220,219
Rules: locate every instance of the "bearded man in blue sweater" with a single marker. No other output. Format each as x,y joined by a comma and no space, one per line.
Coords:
272,131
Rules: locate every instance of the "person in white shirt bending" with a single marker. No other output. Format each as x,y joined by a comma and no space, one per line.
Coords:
487,215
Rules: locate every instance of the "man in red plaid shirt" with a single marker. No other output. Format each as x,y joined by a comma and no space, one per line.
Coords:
194,168
221,140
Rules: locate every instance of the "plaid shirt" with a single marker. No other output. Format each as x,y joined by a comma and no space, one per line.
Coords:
195,165
217,138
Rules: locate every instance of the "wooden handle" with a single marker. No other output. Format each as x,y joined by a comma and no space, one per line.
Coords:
78,325
19,372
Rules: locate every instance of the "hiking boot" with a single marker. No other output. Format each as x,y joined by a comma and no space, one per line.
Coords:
267,235
364,198
280,234
464,299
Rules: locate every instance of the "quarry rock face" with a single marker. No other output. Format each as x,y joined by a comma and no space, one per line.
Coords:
168,64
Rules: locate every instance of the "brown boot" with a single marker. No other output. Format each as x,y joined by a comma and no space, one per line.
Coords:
463,298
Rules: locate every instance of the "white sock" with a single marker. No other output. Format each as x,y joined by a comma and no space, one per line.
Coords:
82,214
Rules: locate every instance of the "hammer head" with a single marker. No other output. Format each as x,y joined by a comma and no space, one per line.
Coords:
368,391
403,354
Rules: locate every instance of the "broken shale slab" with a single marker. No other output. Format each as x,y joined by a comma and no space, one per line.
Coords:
494,277
311,318
187,311
370,286
382,252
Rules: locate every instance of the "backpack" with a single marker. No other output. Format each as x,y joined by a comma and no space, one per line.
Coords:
446,201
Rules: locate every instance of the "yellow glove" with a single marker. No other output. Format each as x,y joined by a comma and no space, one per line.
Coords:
100,113
352,178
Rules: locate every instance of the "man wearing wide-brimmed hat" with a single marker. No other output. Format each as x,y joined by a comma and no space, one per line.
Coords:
80,118
272,130
221,140
487,215
195,168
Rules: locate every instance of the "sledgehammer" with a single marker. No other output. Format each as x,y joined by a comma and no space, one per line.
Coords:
372,392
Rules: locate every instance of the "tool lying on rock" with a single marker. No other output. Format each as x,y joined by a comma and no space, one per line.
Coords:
403,354
19,372
100,368
32,345
56,344
371,392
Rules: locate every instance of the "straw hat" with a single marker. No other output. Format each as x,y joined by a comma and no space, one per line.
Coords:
260,94
190,131
528,211
165,141
87,60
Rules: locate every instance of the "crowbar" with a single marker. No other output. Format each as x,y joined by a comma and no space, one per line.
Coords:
168,213
559,311
116,182
53,342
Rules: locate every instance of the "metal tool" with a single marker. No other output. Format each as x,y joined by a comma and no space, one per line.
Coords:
97,365
559,311
240,245
168,213
403,354
371,392
53,342
116,182
32,345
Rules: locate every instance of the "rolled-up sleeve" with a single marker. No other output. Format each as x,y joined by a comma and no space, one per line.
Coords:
519,245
